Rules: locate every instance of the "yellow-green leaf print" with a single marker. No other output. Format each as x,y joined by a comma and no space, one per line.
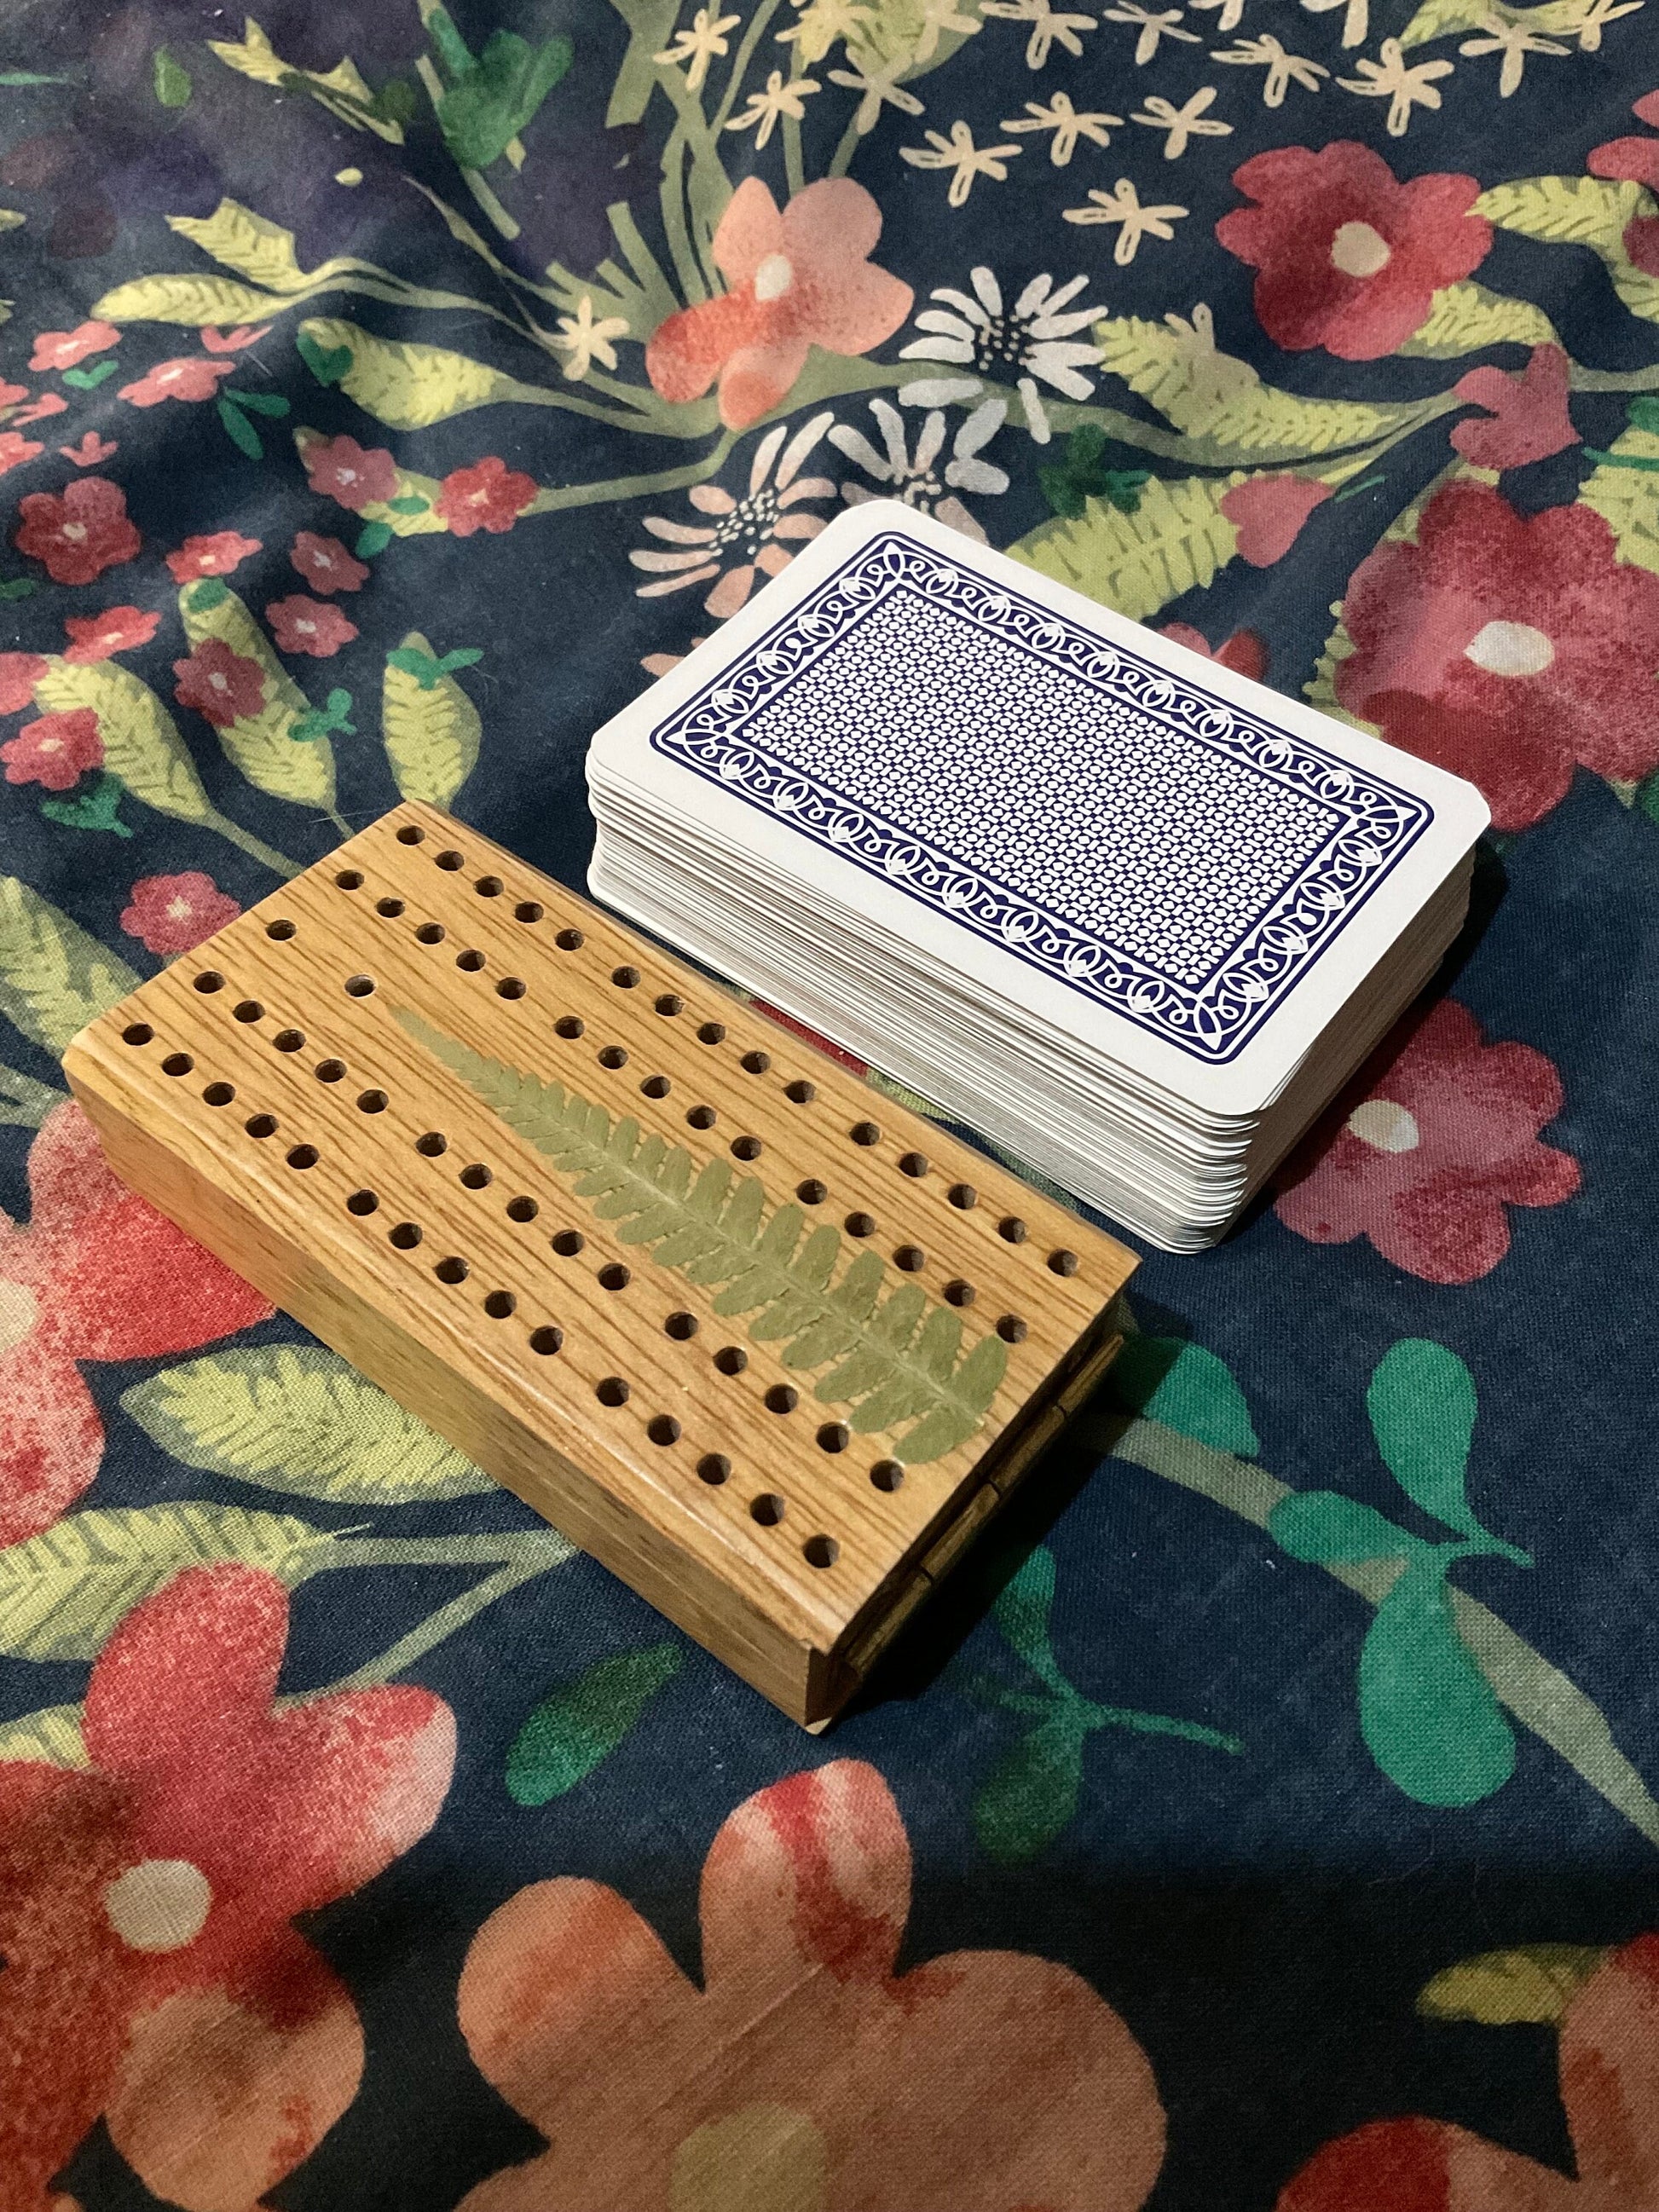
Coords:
408,387
1532,1985
141,740
431,728
54,978
1581,211
262,746
1626,496
1465,318
195,301
1177,538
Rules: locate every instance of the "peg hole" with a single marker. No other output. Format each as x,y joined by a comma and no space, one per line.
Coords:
625,978
715,1469
887,1474
209,980
247,1010
303,1155
1063,1263
361,1202
411,834
820,1550
746,1148
768,1509
834,1437
656,1086
568,1025
860,1224
449,861
680,1326
711,1032
391,907
432,1144
218,1094
911,1258
801,1093
546,1340
730,1359
570,940
289,1040
500,1304
663,1429
959,1293
613,1055
469,961
137,1033
522,1209
261,1125
511,986
755,1063
177,1063
1012,1228
667,1003
811,1192
454,1269
371,1102
488,887
330,1071
406,1235
280,931
359,987
350,879
430,932
702,1117
614,1276
613,1391
782,1399
528,910
963,1195
1011,1329
477,1178
914,1164
567,1242
864,1132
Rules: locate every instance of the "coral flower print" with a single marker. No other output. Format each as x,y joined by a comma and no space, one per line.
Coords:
91,452
1608,2065
489,496
342,469
1506,648
220,683
97,1274
1268,513
981,2080
67,349
153,1975
14,450
210,556
171,914
798,279
1245,652
118,630
55,752
1033,338
19,674
1348,258
311,626
1443,1138
80,533
191,377
325,564
758,528
1528,419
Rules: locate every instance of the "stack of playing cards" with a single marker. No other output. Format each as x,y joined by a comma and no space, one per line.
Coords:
1130,915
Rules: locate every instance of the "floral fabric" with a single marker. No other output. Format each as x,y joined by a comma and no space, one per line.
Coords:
1267,1820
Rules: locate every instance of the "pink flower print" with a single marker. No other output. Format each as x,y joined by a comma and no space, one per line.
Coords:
173,914
303,625
55,752
190,377
341,470
325,564
755,531
67,349
1528,419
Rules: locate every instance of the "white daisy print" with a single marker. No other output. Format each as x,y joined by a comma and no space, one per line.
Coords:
914,474
1033,338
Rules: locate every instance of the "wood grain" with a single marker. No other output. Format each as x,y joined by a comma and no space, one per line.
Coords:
274,1093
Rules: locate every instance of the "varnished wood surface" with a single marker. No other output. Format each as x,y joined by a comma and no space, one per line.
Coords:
419,915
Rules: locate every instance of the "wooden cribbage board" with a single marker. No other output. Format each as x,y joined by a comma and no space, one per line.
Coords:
267,1093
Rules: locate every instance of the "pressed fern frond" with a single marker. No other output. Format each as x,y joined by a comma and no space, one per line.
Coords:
897,1359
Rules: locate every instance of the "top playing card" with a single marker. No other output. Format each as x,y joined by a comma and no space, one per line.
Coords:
1178,848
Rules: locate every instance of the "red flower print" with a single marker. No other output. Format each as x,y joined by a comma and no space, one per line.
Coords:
221,685
1268,513
118,630
325,564
98,1274
245,334
1349,257
153,1973
16,450
11,393
1528,419
800,279
1245,653
57,751
173,914
487,496
91,452
190,377
211,556
1505,648
19,674
1636,161
919,2084
49,402
80,533
1444,1136
65,349
1608,2067
311,626
341,470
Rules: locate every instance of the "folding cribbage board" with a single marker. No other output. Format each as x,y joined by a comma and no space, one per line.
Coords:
771,1347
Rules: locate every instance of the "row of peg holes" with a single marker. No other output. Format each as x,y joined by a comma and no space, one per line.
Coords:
962,1195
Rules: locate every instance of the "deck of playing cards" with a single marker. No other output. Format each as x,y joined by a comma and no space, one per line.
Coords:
1132,917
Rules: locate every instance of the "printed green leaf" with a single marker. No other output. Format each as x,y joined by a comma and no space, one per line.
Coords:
25,1103
1532,1984
896,1361
141,744
260,746
1024,1605
97,807
1430,1719
1466,318
196,302
1167,1379
19,587
296,1418
1030,1797
1421,1403
1216,396
498,96
241,431
1627,499
171,80
262,403
432,729
1176,539
373,538
51,1736
328,364
406,385
582,1723
88,379
54,978
1324,1528
1582,211
62,1593
342,90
